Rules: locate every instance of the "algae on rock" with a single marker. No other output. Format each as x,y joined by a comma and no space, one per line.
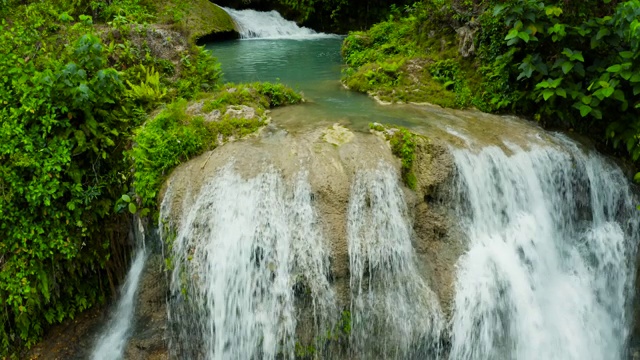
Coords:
198,19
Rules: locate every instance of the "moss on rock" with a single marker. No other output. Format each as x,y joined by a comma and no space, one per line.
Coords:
198,19
411,60
337,135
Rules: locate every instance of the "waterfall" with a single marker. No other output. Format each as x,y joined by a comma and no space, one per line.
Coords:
253,24
112,342
552,237
242,252
394,313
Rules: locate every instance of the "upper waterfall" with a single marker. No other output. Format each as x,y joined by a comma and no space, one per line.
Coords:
252,24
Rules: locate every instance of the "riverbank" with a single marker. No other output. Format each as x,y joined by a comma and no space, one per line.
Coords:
493,57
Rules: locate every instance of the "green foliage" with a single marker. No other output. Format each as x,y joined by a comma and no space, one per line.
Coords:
403,59
573,68
449,73
161,144
403,145
261,95
61,148
200,73
174,136
277,94
340,15
149,92
70,104
123,12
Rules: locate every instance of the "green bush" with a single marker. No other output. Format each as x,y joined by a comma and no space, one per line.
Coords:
173,136
61,149
200,73
572,65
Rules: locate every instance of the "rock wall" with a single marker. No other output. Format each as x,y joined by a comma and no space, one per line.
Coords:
332,156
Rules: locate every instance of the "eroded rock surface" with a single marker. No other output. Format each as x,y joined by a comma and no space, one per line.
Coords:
331,158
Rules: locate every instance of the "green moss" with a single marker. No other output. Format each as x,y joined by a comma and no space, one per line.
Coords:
305,351
411,59
173,136
196,18
338,335
403,146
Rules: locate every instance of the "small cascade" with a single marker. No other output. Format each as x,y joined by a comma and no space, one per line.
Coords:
552,235
394,313
243,252
111,344
253,24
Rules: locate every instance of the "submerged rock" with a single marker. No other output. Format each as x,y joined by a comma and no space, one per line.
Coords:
337,135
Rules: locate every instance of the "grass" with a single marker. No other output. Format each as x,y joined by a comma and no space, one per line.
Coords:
403,146
408,59
175,135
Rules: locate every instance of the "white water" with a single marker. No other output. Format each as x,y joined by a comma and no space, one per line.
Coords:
253,24
394,312
111,344
240,249
552,235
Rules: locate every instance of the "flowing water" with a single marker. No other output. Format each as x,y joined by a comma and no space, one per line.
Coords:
253,24
112,342
552,237
394,313
549,230
241,251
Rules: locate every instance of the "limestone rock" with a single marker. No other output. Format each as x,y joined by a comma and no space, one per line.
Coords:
240,112
466,36
337,135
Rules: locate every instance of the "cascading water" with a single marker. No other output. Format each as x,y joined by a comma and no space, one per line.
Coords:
552,235
394,313
240,251
112,342
253,24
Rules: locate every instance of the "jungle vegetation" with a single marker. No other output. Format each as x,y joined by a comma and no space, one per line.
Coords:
94,112
93,98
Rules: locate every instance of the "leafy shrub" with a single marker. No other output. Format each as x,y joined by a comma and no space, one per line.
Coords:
163,143
173,136
61,149
200,73
148,91
573,69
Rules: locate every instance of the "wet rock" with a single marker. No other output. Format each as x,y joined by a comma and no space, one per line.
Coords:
466,37
240,112
212,116
196,109
149,333
337,135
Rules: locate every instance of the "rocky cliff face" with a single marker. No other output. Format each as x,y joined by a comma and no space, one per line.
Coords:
332,157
